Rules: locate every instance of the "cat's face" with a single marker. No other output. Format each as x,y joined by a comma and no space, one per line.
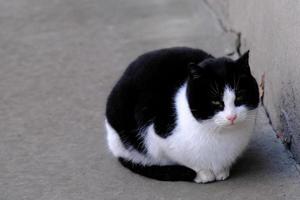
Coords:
222,90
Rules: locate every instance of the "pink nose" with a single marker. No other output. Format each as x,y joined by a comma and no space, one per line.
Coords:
231,118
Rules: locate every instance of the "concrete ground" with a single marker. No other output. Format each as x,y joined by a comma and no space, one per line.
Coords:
58,61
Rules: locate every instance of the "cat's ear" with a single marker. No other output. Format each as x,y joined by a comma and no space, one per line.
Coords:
243,61
195,70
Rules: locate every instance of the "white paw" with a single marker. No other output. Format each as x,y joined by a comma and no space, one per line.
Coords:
222,175
204,176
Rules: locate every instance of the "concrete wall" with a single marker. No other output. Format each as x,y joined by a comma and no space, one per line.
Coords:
271,30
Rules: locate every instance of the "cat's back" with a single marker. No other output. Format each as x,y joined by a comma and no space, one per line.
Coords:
157,72
163,66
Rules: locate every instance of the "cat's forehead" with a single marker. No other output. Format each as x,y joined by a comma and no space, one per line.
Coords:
220,66
224,72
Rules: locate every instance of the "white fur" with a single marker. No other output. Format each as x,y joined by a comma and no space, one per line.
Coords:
209,147
117,147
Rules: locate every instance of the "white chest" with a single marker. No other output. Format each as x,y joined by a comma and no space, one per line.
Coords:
199,145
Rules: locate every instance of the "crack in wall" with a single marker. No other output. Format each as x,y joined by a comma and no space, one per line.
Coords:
226,29
262,95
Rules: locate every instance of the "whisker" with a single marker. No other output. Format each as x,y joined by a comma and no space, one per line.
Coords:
238,82
234,84
216,85
215,92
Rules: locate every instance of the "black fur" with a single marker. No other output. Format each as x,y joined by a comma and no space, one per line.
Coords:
145,94
162,173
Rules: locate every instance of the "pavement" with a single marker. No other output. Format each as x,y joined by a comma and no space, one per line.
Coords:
58,61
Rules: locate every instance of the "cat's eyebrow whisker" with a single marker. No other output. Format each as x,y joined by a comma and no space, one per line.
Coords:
213,93
235,83
213,89
238,82
216,85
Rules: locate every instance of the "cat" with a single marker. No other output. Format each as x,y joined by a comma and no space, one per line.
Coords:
180,114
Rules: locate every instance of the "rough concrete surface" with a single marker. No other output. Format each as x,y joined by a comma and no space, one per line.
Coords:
59,60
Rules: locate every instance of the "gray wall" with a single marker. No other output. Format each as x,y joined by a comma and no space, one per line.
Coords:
271,30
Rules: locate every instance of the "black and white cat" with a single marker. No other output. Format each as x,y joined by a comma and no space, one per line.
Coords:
179,114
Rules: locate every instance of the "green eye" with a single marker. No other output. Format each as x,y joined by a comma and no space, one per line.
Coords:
239,98
217,103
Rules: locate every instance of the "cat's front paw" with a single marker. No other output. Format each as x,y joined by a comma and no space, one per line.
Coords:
223,175
205,176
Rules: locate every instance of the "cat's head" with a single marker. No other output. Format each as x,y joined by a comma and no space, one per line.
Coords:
222,90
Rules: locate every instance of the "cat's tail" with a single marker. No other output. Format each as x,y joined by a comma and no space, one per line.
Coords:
162,173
